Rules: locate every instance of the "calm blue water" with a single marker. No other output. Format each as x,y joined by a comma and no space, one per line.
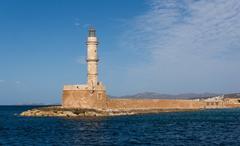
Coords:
212,127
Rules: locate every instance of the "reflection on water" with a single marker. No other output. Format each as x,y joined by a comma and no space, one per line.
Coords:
212,127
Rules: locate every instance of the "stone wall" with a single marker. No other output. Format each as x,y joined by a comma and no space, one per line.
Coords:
84,99
129,104
154,104
81,97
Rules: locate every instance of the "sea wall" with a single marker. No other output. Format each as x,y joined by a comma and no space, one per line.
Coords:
84,99
129,104
81,97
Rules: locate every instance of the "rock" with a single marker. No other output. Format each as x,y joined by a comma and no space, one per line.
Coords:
69,114
90,114
58,111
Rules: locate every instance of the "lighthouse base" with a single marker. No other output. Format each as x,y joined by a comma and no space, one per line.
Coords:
79,96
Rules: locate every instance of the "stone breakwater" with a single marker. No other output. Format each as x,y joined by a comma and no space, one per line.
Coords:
117,107
59,111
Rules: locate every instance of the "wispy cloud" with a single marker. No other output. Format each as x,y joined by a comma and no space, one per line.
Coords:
79,24
187,37
200,28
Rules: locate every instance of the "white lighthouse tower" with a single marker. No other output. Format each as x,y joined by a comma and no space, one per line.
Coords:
92,59
91,95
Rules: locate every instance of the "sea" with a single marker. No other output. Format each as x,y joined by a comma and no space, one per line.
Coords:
193,128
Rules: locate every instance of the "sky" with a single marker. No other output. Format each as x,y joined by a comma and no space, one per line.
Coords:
165,46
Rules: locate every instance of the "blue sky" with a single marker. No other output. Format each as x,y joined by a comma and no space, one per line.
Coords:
165,46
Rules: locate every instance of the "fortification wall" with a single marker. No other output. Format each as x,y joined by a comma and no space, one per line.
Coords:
84,99
128,104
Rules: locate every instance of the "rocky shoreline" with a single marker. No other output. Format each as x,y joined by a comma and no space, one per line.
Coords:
59,111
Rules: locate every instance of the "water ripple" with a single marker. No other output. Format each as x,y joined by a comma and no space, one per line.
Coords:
211,127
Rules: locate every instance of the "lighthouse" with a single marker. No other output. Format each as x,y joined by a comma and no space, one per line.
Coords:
91,95
92,59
